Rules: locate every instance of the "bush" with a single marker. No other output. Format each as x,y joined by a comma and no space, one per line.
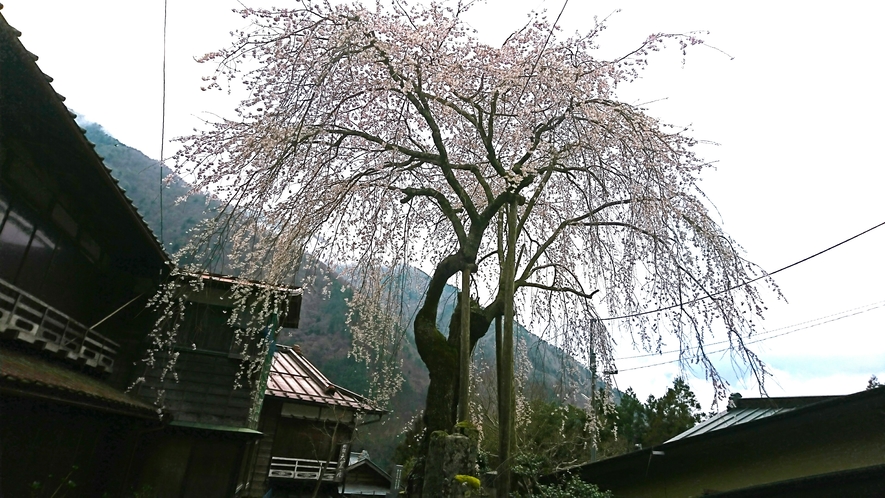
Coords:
571,487
528,469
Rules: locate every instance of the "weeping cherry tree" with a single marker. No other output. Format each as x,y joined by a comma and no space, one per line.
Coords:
379,139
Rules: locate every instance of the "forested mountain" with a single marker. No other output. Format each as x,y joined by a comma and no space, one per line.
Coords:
141,179
323,335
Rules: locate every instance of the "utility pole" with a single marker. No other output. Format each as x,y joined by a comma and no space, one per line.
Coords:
593,389
506,400
595,325
464,361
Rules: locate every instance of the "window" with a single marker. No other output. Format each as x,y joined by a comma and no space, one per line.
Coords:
15,236
205,327
36,257
37,261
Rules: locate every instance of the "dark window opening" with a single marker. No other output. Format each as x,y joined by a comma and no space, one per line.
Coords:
205,327
39,260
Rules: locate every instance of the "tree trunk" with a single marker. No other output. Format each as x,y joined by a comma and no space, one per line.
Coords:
441,354
440,357
442,396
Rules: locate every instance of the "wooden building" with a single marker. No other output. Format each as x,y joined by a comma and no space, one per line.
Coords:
762,447
307,424
77,266
363,478
73,252
203,450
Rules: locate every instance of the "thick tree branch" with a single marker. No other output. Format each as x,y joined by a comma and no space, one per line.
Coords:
443,204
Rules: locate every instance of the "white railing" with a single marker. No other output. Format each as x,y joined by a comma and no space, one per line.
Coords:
301,469
26,318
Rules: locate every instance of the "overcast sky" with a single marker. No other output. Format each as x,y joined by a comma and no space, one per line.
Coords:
793,96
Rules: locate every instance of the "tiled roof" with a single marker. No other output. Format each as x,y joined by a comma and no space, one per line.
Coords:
29,60
34,375
292,376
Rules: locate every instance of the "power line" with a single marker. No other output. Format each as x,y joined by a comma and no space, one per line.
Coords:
765,334
767,275
163,119
877,305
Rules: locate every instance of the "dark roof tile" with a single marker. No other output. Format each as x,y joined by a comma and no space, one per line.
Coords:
20,368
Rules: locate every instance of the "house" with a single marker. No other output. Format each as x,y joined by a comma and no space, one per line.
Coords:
77,267
307,425
213,409
364,478
812,446
77,264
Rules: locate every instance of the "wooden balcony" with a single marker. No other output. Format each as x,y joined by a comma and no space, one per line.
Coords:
302,469
28,319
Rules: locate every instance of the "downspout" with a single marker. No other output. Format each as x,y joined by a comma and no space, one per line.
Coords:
270,335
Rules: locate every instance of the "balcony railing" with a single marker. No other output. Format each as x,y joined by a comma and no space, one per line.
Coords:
301,469
26,318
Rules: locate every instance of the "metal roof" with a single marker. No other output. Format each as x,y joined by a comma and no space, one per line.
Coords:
227,280
728,419
780,437
292,376
743,410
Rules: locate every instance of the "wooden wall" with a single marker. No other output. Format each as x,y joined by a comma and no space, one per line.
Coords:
43,442
184,463
292,438
204,391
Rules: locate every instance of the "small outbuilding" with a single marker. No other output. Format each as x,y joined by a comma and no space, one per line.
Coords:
364,478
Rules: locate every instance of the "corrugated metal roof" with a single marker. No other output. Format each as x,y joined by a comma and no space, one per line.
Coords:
728,419
743,410
292,376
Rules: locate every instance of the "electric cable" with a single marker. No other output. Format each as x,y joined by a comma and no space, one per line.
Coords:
163,119
755,341
766,275
765,334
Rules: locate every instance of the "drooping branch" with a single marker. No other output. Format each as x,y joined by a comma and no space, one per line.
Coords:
551,288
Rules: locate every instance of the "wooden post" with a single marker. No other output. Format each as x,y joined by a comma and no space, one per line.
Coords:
593,395
464,362
506,400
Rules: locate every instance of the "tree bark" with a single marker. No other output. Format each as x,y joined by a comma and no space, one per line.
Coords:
440,357
441,354
441,410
